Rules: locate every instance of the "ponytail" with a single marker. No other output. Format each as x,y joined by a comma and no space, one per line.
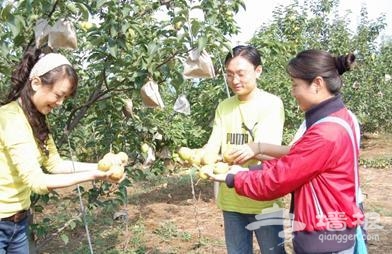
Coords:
20,75
344,63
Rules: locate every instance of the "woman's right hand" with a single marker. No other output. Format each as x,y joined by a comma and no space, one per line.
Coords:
107,176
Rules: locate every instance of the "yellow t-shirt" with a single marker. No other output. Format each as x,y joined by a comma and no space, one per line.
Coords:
21,161
239,122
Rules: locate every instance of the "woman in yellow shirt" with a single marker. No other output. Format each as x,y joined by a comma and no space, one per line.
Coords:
26,146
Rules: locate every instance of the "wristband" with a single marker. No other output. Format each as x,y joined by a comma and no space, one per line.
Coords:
230,180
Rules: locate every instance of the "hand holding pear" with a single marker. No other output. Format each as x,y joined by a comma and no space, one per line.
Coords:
114,163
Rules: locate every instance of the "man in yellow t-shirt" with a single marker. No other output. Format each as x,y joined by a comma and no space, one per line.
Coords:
251,115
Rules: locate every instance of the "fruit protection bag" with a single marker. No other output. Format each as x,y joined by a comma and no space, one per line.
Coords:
198,65
182,105
127,107
41,32
150,95
62,35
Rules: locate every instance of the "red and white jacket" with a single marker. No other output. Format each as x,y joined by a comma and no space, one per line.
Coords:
319,171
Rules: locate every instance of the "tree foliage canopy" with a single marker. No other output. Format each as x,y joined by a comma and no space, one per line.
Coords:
317,24
122,44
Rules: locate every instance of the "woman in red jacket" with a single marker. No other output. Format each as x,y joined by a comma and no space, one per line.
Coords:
320,168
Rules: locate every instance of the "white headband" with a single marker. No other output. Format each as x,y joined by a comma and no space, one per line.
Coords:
47,63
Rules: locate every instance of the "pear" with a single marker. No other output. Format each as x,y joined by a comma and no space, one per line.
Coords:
205,171
117,172
104,164
227,158
209,158
144,147
185,153
221,168
111,157
123,158
196,156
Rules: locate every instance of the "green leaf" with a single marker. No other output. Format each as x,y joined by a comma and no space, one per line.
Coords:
201,43
6,12
65,238
100,3
195,27
72,224
83,10
71,6
16,25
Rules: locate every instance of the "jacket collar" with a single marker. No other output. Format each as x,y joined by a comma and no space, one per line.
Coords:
323,109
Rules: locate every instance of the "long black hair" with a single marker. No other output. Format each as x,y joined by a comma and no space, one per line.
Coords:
21,88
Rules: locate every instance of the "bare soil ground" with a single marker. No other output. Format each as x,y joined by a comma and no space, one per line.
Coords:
166,216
